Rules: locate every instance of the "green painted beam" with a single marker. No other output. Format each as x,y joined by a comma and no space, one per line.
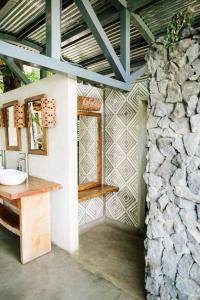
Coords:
101,37
11,38
143,28
57,66
125,40
53,28
119,4
16,70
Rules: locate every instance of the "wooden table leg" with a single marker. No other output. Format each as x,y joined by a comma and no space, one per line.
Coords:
35,235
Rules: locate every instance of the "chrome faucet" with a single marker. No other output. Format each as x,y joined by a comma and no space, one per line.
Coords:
3,158
24,159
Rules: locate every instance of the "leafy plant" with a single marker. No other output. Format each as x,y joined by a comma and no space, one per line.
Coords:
179,21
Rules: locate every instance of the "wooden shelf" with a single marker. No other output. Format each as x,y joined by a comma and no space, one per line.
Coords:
9,219
96,192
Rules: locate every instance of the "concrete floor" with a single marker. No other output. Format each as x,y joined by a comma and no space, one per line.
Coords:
116,255
55,276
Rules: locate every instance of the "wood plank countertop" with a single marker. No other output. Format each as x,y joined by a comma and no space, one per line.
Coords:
34,186
102,190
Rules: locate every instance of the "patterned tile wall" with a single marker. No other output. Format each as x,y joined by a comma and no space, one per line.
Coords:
90,210
121,152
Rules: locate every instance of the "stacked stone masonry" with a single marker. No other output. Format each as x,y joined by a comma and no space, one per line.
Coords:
173,171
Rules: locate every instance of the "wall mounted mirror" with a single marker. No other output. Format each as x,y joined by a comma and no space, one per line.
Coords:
12,134
89,150
37,136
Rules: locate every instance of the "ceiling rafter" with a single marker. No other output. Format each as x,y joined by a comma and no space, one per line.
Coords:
142,28
101,37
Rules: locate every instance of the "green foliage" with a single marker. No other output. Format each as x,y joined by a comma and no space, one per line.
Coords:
34,75
179,21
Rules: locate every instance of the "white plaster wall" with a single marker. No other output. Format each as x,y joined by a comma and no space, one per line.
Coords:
61,163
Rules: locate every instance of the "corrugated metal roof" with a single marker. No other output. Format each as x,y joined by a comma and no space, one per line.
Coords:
16,16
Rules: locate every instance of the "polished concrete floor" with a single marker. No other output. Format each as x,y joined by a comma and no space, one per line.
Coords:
116,255
59,276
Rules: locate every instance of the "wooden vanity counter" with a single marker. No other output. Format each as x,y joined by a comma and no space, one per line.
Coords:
34,186
32,222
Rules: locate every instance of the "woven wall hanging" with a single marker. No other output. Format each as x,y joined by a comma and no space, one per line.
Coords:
48,106
89,104
19,116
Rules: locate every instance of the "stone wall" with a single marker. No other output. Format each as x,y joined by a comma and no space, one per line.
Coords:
173,171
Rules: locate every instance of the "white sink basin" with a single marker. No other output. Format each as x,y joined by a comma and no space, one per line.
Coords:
12,177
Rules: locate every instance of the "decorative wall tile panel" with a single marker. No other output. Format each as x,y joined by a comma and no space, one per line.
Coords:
121,165
90,210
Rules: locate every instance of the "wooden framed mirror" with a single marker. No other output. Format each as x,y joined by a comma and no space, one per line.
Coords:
89,150
12,134
37,135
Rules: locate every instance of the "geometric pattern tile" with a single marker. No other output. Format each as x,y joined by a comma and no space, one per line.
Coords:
93,209
121,157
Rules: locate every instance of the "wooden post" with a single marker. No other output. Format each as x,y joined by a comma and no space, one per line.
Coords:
35,233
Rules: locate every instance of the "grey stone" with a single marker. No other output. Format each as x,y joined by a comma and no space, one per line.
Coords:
195,272
184,192
177,160
179,240
152,122
171,212
162,86
191,141
165,146
192,103
181,126
185,265
152,286
189,218
185,44
190,88
173,93
169,262
198,104
157,229
192,52
169,133
164,122
195,123
154,133
183,203
195,233
195,250
167,243
192,163
156,158
179,112
154,98
153,193
179,178
185,72
187,286
166,169
154,253
197,152
161,74
163,109
178,145
155,181
194,182
153,86
163,201
178,225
